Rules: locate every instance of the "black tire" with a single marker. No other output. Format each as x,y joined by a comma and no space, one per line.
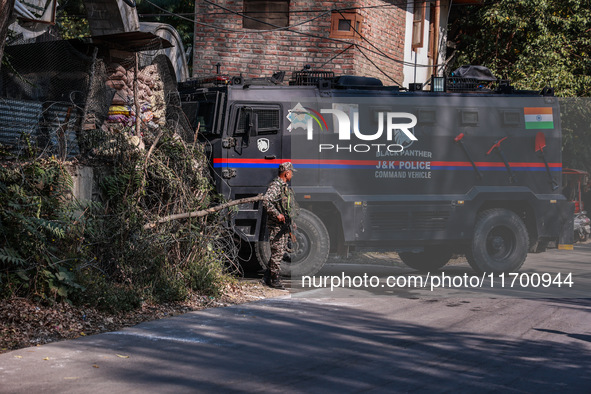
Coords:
500,242
541,246
310,251
431,259
577,236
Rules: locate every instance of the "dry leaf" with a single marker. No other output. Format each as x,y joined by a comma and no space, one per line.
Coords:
95,366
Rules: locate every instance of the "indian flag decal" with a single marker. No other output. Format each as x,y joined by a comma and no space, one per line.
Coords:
538,118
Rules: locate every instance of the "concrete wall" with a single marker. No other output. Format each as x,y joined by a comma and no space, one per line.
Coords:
110,17
422,74
84,184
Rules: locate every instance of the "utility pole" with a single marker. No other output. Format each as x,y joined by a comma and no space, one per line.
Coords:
6,7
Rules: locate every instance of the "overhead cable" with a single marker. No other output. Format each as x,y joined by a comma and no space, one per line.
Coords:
289,28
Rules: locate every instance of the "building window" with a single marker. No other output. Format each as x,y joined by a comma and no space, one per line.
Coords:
346,25
418,23
265,14
432,53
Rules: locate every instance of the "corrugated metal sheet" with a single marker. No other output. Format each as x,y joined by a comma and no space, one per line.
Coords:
54,118
41,122
18,117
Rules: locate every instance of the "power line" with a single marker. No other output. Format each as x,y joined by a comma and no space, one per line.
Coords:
277,28
399,4
376,66
377,51
218,27
381,52
288,28
337,55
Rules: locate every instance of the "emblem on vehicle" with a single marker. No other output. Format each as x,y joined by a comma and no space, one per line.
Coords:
300,116
263,144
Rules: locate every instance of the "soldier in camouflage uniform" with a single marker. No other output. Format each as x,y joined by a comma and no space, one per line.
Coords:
278,202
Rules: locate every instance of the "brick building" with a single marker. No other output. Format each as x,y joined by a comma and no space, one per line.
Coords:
375,38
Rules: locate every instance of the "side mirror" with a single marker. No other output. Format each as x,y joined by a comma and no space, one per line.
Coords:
246,122
251,126
252,123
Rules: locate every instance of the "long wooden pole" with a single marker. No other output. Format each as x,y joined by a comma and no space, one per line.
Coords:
205,212
436,35
136,98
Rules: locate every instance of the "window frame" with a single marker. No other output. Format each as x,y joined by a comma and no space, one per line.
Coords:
241,108
418,22
264,15
354,18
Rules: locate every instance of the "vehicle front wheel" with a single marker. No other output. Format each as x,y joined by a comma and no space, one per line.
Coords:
500,242
310,251
431,259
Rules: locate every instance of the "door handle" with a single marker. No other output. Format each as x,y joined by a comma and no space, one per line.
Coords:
270,157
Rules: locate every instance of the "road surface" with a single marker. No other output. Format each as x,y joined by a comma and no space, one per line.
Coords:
416,341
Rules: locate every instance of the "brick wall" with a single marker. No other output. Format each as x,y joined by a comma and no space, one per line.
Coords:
254,53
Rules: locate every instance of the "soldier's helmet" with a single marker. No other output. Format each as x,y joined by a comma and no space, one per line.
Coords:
287,166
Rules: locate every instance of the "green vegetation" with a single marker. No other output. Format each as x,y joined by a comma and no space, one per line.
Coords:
54,248
535,44
72,22
178,14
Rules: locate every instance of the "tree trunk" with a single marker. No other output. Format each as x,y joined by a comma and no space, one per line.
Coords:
205,212
6,7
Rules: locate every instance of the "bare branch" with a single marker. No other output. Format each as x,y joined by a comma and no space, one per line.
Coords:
205,212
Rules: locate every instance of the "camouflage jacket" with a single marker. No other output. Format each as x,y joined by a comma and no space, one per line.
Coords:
279,199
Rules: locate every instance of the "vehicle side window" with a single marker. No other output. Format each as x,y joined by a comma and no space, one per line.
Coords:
266,119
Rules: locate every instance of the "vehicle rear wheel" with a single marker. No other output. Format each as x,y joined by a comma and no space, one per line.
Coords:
431,259
500,242
310,251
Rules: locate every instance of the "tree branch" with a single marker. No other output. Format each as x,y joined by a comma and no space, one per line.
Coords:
205,212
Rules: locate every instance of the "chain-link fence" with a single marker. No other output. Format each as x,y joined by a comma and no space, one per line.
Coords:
75,99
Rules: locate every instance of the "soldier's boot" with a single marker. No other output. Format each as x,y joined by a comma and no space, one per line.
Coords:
276,283
267,277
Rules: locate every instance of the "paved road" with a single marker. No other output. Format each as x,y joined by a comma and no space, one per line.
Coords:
419,342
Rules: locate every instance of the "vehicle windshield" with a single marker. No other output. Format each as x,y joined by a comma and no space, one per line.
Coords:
203,113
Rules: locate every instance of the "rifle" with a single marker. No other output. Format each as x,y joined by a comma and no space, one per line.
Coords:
289,227
286,226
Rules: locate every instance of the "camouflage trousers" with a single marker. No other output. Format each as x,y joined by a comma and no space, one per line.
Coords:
278,238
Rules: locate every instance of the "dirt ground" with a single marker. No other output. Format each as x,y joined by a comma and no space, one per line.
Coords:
24,323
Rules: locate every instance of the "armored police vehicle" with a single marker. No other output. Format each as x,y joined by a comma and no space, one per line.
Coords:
463,167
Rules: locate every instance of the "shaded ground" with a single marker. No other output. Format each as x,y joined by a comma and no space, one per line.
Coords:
24,323
350,345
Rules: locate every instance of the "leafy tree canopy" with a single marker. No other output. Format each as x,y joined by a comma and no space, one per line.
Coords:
534,43
173,12
71,17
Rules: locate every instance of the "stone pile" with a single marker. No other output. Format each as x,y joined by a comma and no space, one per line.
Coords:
150,96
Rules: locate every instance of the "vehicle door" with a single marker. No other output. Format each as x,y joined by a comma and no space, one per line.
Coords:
253,151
